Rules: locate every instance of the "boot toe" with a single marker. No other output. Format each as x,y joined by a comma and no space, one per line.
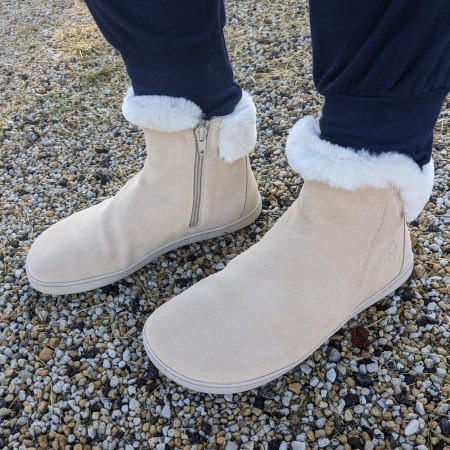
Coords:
175,351
63,258
210,342
48,262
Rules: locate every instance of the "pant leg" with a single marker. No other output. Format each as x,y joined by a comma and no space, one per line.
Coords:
384,69
172,47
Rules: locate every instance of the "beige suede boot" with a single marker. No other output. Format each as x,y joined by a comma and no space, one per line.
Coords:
196,184
342,246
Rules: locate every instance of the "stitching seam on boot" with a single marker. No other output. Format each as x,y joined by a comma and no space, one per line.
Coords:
381,219
246,188
405,230
399,200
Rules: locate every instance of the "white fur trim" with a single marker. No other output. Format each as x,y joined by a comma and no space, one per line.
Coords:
237,135
344,168
160,112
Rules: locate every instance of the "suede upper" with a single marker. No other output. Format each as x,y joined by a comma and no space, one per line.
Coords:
108,241
278,301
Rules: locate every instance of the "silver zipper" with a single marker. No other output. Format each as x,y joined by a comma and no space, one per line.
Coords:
201,133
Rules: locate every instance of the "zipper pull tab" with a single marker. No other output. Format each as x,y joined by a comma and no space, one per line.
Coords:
200,133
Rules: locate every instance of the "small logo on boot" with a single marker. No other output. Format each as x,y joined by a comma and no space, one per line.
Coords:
392,252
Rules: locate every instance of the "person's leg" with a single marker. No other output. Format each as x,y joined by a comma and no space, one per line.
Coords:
174,48
343,245
384,69
196,182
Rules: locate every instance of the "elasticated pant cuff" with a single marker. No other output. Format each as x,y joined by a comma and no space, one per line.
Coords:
202,75
404,124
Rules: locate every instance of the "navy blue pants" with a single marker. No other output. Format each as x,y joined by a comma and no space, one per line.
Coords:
382,65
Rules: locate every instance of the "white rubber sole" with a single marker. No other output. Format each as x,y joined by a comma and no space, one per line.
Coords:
213,388
74,287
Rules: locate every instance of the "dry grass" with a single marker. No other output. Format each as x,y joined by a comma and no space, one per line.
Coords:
80,42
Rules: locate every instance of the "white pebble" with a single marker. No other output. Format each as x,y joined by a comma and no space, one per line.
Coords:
412,427
420,409
296,445
134,404
231,446
323,442
305,368
114,382
392,311
320,422
126,355
331,375
166,412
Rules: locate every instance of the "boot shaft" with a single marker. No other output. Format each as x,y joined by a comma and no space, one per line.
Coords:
188,164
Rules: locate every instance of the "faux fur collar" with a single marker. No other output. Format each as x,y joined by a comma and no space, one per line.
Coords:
345,168
160,112
237,135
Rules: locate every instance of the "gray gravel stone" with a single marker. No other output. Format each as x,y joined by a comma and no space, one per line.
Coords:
420,409
412,427
323,442
4,412
331,375
333,355
166,412
296,445
114,382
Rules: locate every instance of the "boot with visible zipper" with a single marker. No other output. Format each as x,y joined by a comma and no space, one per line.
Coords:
342,246
196,184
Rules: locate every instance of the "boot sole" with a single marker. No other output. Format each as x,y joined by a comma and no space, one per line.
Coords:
74,287
232,388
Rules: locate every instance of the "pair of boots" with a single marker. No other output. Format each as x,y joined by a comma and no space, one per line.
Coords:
342,246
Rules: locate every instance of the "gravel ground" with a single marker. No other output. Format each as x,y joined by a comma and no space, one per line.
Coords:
73,371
